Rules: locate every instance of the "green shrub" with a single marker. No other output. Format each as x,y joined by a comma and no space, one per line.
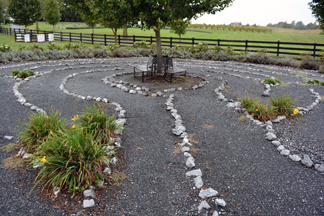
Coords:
39,127
36,46
315,81
121,52
272,81
283,105
96,46
229,50
22,74
141,44
52,46
201,47
15,72
5,48
256,108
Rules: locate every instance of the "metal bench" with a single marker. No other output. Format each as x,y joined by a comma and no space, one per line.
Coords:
167,65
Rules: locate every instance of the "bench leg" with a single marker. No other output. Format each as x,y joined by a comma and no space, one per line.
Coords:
142,76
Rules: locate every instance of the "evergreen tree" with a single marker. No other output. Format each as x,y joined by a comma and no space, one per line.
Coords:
24,12
52,12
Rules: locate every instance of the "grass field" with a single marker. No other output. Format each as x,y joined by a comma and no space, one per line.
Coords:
284,35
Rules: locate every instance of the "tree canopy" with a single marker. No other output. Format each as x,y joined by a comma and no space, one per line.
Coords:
1,12
52,12
179,27
317,7
24,12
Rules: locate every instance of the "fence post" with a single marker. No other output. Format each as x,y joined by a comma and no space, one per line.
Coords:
314,54
171,42
218,42
246,45
15,37
118,39
61,36
70,37
278,48
10,31
105,40
151,40
134,40
80,37
92,38
31,35
193,41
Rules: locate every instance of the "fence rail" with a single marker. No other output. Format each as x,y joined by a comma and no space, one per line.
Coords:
273,47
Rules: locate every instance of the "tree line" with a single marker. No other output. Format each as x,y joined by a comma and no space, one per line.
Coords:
294,25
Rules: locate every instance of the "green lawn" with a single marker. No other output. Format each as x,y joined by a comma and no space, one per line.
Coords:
278,34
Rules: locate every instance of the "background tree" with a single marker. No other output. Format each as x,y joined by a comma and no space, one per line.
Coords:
317,7
52,12
24,12
1,12
157,14
179,27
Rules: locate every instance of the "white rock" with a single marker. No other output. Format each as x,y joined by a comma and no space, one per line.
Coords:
215,213
185,149
190,162
8,137
107,171
294,157
186,154
114,160
281,147
285,152
198,182
88,203
319,167
220,202
202,205
307,161
230,105
89,194
276,143
196,172
203,194
132,91
271,136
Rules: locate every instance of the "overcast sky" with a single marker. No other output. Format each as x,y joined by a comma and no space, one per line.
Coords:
261,12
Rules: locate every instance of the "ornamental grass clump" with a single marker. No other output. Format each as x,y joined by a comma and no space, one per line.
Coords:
39,127
272,81
256,108
74,160
95,121
22,74
283,105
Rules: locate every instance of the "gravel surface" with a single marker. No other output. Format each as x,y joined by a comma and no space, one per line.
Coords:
232,152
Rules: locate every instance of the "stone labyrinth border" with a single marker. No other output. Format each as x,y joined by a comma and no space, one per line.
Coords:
179,129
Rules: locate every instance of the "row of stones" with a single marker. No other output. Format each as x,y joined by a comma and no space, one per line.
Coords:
89,195
270,135
180,130
89,200
242,68
134,89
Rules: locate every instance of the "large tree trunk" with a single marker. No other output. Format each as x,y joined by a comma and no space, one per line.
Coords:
53,28
158,51
125,31
115,33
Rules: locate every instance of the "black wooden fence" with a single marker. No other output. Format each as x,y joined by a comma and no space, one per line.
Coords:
274,47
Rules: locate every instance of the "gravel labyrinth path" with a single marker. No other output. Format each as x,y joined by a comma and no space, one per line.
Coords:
232,152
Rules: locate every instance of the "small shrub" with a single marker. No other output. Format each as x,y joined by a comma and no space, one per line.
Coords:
272,81
141,44
22,74
121,52
70,46
204,55
5,48
262,51
96,46
283,105
36,46
201,47
15,72
52,46
229,50
222,56
112,47
256,108
217,49
315,81
321,69
309,64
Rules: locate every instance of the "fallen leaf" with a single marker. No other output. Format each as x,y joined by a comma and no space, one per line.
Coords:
139,148
208,126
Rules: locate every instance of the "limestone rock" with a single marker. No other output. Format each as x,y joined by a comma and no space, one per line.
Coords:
196,172
89,194
190,162
276,143
307,161
203,194
294,157
185,149
319,167
271,136
285,152
202,205
88,203
198,182
220,202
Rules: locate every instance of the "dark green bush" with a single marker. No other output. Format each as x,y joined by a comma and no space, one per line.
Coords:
310,64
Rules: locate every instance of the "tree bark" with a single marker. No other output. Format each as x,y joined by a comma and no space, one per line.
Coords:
115,33
158,51
125,31
37,25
